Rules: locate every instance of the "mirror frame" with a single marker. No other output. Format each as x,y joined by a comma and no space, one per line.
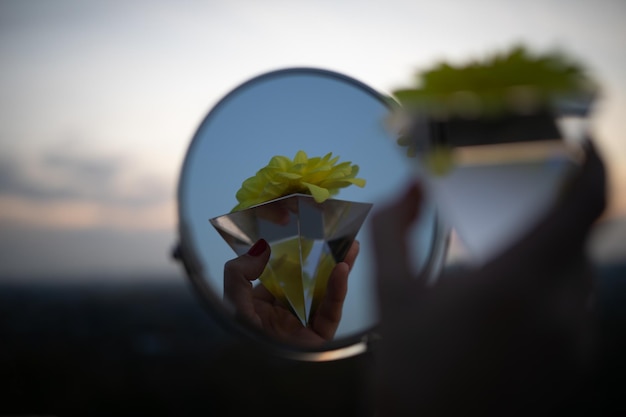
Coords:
344,347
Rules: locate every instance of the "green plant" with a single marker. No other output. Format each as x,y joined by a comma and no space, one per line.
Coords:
514,81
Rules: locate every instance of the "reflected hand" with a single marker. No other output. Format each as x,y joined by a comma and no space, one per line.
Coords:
257,305
511,338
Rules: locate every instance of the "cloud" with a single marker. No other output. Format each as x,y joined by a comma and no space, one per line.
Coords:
13,182
97,170
58,176
65,189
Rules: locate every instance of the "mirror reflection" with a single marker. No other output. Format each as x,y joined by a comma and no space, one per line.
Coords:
307,240
281,113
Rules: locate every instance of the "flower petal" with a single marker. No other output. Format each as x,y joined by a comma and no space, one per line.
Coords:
321,177
319,194
289,175
300,158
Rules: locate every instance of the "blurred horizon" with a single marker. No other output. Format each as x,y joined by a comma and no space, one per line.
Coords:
100,101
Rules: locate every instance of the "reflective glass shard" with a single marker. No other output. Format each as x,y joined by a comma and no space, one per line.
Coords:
307,240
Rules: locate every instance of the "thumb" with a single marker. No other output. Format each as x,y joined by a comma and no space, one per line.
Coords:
238,274
248,266
390,227
397,285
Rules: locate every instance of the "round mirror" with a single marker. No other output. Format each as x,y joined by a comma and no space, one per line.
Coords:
280,113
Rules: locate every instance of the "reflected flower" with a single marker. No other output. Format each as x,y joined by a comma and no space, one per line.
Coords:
515,81
321,177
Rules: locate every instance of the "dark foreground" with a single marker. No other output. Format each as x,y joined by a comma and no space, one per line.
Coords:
146,347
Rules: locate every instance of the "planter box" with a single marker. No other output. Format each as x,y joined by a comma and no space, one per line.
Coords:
493,179
498,130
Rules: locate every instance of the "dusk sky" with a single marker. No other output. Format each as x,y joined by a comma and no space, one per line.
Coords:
99,100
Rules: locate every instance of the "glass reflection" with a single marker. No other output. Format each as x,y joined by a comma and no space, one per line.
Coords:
280,113
304,248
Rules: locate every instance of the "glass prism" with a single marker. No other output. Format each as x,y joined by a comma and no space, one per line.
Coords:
307,240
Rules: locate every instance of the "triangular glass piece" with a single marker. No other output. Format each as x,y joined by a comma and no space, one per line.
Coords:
307,240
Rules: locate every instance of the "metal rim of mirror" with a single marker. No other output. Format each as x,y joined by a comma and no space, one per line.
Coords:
185,253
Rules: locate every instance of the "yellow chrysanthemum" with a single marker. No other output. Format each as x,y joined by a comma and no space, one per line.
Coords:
319,177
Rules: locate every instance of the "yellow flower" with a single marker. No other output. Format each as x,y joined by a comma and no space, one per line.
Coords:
319,177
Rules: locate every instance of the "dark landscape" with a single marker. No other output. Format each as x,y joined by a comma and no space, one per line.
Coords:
145,346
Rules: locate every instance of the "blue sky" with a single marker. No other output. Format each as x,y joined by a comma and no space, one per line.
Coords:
101,99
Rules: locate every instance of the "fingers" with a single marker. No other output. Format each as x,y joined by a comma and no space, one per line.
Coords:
591,184
389,230
328,314
261,293
238,274
353,252
585,195
397,283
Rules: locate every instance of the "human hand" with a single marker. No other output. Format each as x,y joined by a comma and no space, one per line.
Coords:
510,338
257,305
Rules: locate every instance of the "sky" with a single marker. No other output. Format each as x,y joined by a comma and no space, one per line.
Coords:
100,100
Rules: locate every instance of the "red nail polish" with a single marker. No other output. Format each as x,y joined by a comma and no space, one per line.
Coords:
258,248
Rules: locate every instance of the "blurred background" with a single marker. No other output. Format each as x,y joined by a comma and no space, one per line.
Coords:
98,103
101,99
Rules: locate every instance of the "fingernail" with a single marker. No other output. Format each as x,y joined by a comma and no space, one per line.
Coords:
258,248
